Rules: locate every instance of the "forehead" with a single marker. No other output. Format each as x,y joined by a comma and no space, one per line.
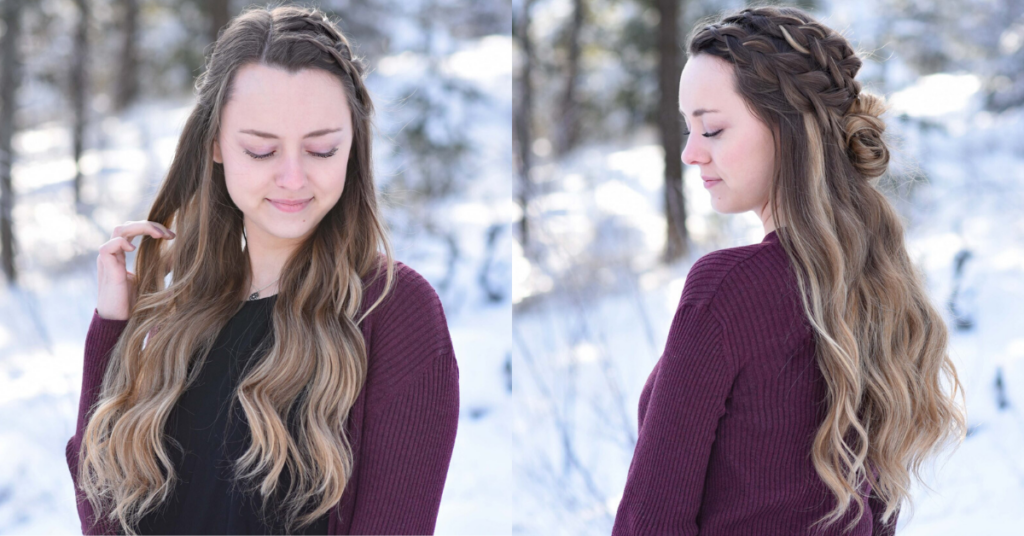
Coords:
707,82
275,96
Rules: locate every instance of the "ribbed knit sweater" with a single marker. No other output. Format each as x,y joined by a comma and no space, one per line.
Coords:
401,428
728,416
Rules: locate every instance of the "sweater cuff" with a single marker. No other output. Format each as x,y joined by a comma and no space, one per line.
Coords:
103,335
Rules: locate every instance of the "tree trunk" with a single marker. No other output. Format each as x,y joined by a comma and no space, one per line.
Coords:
10,79
669,65
79,91
220,15
522,114
128,78
568,125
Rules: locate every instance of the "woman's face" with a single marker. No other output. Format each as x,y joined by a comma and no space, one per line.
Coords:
284,142
733,148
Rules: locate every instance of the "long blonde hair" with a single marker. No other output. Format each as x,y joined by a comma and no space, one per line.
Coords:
316,365
881,344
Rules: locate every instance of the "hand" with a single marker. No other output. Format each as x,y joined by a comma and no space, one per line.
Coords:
116,284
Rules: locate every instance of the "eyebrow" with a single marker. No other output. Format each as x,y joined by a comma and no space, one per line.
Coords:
313,134
699,112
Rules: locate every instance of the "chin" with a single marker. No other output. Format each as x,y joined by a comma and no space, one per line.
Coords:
722,207
280,230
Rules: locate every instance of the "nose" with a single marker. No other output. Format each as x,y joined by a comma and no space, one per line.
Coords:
291,175
694,152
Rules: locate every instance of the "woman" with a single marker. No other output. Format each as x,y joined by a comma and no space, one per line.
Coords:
301,382
803,378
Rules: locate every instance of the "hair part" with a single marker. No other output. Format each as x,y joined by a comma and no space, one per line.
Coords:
881,344
296,399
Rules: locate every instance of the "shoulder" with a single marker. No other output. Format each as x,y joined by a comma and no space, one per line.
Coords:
409,293
407,331
748,287
735,273
718,284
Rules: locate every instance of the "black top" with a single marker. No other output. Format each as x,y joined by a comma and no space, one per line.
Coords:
207,500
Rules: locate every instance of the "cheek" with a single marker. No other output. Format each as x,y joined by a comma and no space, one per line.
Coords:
231,183
734,163
235,185
242,182
339,175
753,164
339,190
765,163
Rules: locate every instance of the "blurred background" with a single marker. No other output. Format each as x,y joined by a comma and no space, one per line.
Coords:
612,222
93,96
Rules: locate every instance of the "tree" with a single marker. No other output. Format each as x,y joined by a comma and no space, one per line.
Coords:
568,126
128,76
79,91
10,79
522,113
219,12
669,60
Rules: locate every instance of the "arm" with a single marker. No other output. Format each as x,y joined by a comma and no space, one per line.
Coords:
412,414
99,341
666,477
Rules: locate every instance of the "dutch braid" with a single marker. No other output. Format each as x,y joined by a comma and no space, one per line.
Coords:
881,345
313,331
313,27
815,68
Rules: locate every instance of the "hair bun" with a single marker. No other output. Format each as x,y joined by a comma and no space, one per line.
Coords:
864,128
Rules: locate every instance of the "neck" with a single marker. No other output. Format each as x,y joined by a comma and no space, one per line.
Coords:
767,220
267,256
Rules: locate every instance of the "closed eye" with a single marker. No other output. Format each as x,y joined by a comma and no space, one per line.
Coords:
271,153
258,156
328,154
706,135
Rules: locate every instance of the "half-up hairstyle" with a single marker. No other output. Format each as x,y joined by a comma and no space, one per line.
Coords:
296,399
881,344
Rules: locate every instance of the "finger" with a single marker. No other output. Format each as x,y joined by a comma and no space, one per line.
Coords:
131,229
116,245
166,231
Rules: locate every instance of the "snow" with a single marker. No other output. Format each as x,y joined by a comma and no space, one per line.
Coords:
549,397
593,311
44,322
936,94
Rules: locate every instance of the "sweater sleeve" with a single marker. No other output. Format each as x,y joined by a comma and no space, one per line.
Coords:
879,527
666,477
99,341
412,414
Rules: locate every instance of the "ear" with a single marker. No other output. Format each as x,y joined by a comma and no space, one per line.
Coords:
216,153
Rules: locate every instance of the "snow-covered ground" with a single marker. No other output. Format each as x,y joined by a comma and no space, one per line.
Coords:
548,416
593,315
43,323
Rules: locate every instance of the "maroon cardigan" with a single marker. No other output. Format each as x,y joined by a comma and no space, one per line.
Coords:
729,413
401,428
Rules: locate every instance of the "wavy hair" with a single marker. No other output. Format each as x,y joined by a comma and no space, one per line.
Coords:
881,345
296,399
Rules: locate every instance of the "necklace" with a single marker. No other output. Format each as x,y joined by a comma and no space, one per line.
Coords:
255,295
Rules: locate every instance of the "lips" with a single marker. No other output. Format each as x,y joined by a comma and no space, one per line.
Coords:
290,205
710,181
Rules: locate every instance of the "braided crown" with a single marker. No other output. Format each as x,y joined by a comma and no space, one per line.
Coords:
812,66
325,36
